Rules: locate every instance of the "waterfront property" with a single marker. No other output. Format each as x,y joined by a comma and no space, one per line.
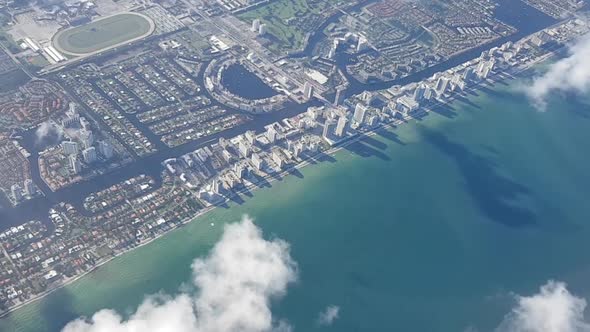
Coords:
161,108
220,172
376,267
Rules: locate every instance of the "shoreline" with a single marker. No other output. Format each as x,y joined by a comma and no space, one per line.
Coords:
283,173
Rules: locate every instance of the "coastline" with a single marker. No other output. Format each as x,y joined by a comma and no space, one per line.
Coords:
305,162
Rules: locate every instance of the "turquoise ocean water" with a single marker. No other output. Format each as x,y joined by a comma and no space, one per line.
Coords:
430,227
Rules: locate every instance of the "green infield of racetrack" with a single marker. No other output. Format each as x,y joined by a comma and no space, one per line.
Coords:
103,34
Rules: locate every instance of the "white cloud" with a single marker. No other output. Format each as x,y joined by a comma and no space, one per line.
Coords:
47,129
329,315
568,74
553,309
235,286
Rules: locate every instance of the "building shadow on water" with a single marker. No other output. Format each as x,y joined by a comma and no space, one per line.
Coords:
246,192
444,110
51,313
495,195
295,172
418,116
237,199
374,143
468,102
323,157
503,95
390,136
503,78
365,149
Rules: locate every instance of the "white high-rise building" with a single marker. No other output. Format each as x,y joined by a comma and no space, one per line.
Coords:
87,138
372,120
262,29
359,113
29,187
307,90
271,134
419,92
441,85
16,192
89,155
258,161
468,74
480,67
215,186
241,170
339,98
485,72
69,147
296,150
458,82
341,126
314,113
244,148
72,116
484,68
328,128
106,149
250,137
255,25
75,164
427,93
334,48
362,44
278,158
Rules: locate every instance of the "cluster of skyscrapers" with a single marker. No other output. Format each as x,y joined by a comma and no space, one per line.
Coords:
82,142
258,27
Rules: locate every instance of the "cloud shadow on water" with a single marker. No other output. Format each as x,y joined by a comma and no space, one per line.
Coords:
495,195
49,314
56,310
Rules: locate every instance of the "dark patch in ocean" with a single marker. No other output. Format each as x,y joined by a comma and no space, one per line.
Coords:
496,195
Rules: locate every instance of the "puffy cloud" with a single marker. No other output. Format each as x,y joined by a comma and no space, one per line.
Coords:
568,74
329,315
553,309
235,286
47,129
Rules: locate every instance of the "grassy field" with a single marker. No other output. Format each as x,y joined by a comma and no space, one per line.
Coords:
289,21
102,34
37,62
8,42
277,16
12,80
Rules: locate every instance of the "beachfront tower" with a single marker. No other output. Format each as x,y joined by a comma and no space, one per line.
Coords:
359,113
341,126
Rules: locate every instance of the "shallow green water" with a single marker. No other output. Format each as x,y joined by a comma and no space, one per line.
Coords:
430,227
